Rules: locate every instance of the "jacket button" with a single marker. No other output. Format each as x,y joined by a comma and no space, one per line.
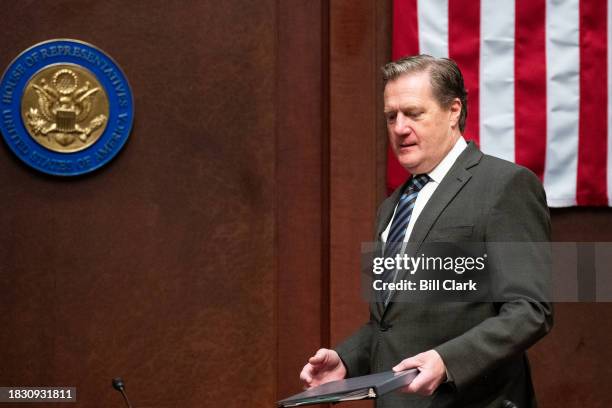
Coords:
385,326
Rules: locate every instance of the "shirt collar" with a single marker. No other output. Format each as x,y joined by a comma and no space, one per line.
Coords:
438,173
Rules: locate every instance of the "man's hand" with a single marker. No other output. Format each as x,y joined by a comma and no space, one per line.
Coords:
324,366
432,372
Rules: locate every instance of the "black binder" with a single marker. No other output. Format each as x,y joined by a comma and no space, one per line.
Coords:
351,389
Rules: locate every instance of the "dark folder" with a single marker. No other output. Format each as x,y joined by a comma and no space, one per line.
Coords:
351,389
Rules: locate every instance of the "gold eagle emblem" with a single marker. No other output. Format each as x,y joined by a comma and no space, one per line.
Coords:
65,108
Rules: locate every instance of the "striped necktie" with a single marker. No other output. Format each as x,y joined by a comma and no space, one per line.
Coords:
399,225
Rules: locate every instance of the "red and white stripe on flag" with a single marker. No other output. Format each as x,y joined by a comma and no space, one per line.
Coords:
538,75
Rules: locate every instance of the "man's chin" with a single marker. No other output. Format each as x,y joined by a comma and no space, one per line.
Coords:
411,166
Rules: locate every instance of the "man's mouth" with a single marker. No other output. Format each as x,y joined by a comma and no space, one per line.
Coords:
406,145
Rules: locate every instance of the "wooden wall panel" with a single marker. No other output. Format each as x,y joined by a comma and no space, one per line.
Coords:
356,53
359,33
160,267
352,157
302,203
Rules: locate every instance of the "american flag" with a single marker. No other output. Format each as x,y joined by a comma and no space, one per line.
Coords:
538,75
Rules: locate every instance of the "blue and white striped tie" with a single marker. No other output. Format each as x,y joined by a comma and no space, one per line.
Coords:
399,225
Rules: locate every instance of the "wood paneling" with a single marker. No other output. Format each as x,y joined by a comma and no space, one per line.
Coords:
220,249
302,201
357,136
160,267
359,33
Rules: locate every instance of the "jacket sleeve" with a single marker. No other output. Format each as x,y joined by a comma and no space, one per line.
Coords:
355,351
517,244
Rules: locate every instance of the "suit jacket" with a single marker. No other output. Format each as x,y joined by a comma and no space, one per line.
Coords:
485,200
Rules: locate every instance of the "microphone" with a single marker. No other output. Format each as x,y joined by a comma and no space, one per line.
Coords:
119,385
508,404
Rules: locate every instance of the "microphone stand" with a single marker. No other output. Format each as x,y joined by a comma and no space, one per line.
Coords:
119,385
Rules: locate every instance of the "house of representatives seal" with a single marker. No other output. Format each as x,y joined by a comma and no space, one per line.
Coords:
66,107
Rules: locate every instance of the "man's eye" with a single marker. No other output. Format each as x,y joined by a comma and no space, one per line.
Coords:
391,118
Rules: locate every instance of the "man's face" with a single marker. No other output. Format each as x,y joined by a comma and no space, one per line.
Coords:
421,132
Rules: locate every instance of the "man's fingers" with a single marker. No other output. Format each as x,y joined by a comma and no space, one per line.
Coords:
324,366
305,374
314,366
406,364
431,372
319,357
419,385
314,360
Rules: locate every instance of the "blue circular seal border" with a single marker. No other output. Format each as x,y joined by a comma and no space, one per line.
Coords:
110,76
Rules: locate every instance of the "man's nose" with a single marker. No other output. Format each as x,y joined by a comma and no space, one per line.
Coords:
402,124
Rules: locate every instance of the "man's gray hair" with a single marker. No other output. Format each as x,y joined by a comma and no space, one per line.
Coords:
445,77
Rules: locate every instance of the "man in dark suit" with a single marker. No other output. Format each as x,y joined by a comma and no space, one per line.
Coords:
469,354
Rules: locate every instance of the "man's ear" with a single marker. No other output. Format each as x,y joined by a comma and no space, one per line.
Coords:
455,112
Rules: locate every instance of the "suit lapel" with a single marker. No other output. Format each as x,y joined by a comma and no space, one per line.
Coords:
386,210
444,194
449,187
